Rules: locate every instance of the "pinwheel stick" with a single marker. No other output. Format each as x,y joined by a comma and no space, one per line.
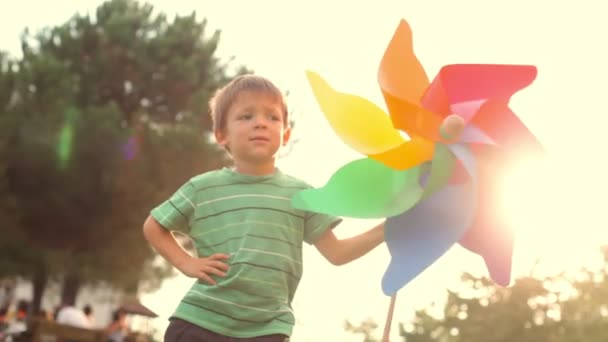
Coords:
389,318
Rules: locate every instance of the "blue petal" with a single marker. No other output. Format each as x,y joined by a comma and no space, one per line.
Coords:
418,237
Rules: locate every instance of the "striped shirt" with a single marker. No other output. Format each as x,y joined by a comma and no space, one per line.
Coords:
250,218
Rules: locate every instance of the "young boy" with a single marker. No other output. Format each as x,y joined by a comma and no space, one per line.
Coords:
247,235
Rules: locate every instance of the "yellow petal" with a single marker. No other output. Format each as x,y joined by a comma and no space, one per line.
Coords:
358,122
409,154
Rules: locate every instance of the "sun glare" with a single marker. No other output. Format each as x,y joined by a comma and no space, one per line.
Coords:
536,199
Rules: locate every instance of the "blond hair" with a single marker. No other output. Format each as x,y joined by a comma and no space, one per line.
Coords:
224,98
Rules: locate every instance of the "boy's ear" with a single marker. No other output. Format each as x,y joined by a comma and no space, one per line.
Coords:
220,137
286,135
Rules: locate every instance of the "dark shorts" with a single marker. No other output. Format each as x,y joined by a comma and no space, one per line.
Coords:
182,331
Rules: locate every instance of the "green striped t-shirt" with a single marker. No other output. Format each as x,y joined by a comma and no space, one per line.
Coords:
250,218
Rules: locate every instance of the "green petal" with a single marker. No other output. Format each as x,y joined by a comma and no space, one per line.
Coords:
366,188
363,188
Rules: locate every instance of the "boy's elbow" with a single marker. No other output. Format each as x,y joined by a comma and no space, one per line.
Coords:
150,228
337,260
335,251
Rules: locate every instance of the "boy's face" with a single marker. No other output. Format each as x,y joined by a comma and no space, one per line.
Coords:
254,130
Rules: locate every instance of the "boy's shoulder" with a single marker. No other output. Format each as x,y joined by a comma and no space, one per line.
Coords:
294,181
212,177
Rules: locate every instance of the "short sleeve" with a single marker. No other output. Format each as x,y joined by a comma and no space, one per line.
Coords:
176,212
315,224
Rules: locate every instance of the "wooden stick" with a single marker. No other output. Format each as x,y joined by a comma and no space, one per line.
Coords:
389,319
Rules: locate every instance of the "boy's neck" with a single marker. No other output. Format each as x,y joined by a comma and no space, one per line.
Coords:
254,169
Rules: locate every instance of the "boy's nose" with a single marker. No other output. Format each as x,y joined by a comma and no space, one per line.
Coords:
260,122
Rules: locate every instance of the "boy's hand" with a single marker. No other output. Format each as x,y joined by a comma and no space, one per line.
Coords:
451,128
203,268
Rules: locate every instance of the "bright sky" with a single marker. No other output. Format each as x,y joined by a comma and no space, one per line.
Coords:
557,206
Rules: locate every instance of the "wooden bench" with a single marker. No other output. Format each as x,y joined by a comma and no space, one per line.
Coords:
46,331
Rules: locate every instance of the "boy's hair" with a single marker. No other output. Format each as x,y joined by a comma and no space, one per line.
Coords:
224,97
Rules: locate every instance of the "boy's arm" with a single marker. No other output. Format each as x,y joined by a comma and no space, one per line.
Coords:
166,245
340,252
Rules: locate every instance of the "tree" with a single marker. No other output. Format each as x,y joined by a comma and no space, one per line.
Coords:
7,202
108,117
562,308
366,328
12,238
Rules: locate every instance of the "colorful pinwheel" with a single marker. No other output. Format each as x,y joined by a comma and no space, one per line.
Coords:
433,192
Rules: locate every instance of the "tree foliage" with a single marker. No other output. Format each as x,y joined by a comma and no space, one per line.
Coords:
103,117
561,308
567,307
366,328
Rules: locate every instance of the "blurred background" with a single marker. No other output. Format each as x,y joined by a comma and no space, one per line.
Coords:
103,114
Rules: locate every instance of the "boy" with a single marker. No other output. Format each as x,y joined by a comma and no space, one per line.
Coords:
245,231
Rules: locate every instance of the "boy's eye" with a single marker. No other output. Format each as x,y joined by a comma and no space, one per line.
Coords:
245,117
274,117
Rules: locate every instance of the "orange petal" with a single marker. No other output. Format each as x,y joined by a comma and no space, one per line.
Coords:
403,81
400,73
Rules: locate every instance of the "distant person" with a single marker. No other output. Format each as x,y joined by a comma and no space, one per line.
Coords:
88,312
23,308
18,323
117,330
72,316
7,293
3,318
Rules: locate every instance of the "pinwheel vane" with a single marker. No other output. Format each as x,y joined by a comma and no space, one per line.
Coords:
434,192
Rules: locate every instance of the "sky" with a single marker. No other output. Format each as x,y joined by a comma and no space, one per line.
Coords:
556,206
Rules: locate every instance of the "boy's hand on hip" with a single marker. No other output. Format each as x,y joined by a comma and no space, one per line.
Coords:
203,268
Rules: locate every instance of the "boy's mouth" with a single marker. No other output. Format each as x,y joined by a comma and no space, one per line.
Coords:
258,139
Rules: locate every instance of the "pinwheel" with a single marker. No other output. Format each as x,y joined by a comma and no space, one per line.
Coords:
434,191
